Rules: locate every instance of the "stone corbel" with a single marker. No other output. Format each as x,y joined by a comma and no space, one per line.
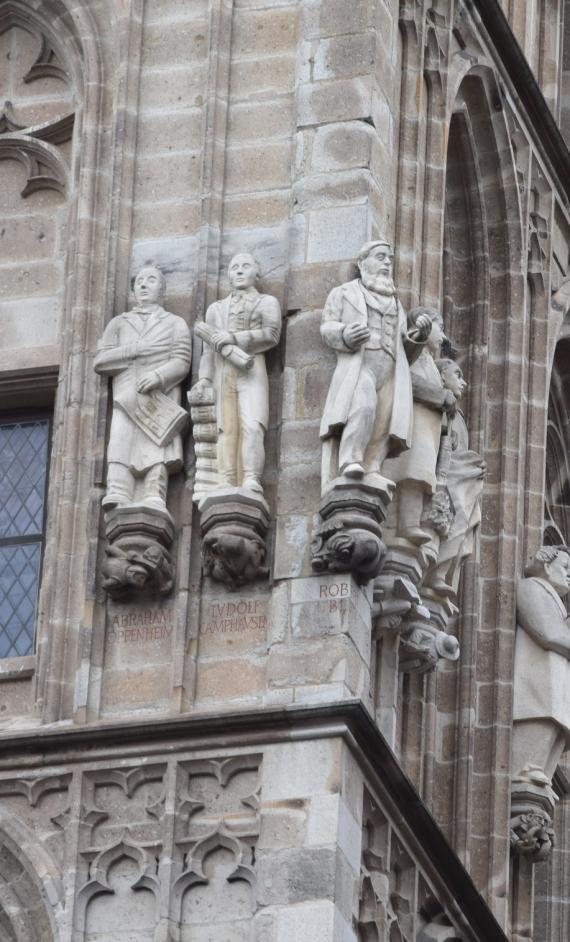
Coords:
349,536
137,552
234,522
420,619
532,806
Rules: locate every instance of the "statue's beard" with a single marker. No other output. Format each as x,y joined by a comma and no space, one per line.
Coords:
379,284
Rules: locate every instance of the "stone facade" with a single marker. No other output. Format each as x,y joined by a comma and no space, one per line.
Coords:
276,724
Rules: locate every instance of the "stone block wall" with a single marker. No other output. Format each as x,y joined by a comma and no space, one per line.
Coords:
296,129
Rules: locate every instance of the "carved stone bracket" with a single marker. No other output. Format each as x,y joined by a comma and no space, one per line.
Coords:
137,557
532,806
234,522
349,537
421,620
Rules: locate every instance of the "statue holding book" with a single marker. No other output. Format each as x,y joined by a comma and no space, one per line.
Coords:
230,411
147,352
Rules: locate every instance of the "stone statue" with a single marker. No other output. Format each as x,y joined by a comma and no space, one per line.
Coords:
368,411
541,711
147,352
460,475
237,333
414,471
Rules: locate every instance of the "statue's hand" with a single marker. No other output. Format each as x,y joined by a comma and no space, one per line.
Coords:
354,335
422,328
221,338
149,382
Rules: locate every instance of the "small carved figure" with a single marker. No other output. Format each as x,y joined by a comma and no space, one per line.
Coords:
337,547
532,835
541,712
460,476
147,352
414,471
128,571
234,555
368,411
237,333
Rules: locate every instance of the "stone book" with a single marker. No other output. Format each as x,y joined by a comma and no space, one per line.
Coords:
159,417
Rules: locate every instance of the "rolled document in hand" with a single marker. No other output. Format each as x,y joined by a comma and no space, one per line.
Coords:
229,351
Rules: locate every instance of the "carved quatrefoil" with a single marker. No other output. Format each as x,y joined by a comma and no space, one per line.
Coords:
36,147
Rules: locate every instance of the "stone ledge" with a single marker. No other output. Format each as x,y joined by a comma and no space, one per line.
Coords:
348,720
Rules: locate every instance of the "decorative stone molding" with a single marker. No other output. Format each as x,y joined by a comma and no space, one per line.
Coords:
36,147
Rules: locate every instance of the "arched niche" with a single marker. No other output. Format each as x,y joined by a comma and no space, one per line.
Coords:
557,464
31,893
483,278
43,90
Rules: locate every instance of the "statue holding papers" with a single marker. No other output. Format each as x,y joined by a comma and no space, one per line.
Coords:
147,352
236,334
230,412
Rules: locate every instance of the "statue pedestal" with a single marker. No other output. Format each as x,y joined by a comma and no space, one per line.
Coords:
532,807
349,537
137,558
420,620
234,522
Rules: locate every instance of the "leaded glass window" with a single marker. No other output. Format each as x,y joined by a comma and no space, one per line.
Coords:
24,448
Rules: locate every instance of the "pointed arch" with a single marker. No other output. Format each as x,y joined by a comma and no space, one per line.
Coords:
31,890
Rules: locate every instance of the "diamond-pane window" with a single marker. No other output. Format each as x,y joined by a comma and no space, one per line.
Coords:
24,447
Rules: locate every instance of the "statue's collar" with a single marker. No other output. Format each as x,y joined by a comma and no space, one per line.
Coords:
241,294
148,311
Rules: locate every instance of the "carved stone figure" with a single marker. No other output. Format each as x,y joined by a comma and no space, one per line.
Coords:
414,471
368,411
338,547
455,510
446,492
147,352
141,569
541,711
234,555
237,333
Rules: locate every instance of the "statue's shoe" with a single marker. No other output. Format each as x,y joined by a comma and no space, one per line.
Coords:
415,535
252,484
375,479
112,500
353,470
154,502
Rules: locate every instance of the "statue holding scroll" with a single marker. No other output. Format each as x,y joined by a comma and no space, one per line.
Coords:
237,332
147,352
